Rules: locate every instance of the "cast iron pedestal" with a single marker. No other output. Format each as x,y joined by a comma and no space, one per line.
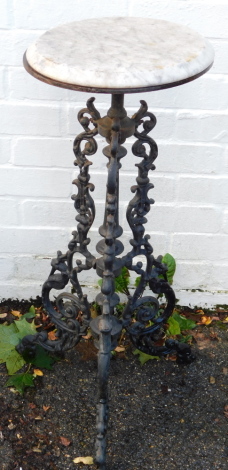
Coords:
143,318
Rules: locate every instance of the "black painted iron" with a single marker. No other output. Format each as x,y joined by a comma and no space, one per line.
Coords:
72,317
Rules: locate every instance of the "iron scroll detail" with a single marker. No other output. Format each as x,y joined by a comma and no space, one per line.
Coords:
149,317
72,314
143,317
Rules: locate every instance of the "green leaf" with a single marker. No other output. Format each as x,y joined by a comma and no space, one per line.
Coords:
40,359
8,334
14,362
5,351
122,281
32,309
184,323
20,381
137,281
174,327
27,315
143,358
25,328
171,264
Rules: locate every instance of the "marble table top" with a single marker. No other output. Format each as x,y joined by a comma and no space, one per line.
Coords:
119,55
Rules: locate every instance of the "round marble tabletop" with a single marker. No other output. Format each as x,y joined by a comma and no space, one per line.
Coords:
119,55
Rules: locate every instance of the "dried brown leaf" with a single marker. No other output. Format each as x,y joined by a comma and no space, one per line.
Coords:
64,441
212,380
46,408
120,349
38,372
52,336
85,460
226,411
3,315
16,313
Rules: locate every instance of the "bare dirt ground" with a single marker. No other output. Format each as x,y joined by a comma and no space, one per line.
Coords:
163,416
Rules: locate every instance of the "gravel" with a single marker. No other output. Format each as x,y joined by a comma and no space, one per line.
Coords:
163,416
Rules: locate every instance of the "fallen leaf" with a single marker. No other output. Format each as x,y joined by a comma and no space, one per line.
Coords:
52,336
226,411
16,313
214,336
226,320
225,370
202,341
64,441
85,460
3,315
38,418
32,405
212,380
46,408
36,449
182,420
11,426
88,336
38,372
120,349
205,320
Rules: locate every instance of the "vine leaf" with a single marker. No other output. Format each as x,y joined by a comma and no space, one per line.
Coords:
24,328
143,357
40,359
174,327
10,336
171,265
184,323
20,381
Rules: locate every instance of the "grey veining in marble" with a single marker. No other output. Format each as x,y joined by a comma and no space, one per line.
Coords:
120,53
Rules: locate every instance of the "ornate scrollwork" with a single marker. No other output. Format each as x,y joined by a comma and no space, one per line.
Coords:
72,314
149,317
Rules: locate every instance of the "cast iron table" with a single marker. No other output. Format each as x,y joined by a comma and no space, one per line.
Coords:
116,56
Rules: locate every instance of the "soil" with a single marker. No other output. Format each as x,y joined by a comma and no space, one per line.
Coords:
163,416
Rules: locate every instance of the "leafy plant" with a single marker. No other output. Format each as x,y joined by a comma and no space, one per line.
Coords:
121,282
171,268
10,336
184,323
171,265
143,357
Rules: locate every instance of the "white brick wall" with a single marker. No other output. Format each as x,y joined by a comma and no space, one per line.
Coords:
38,124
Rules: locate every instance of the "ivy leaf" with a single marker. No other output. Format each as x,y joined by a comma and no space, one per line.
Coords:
40,359
27,315
25,328
32,310
143,358
8,334
20,381
14,362
174,327
171,265
184,323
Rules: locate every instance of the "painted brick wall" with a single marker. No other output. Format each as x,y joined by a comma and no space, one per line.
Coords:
38,124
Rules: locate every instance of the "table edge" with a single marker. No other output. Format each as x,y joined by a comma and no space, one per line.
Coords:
90,89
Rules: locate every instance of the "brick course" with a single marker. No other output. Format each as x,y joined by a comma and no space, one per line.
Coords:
38,126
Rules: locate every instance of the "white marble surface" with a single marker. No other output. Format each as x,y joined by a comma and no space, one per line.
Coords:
120,53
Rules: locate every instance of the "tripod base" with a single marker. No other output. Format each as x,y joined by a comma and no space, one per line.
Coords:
142,318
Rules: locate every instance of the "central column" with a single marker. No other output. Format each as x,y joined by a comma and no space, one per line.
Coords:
115,127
